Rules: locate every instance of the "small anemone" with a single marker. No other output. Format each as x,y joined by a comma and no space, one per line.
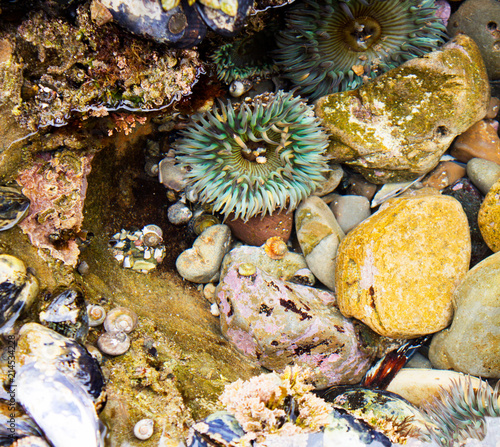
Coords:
245,58
458,413
263,156
332,45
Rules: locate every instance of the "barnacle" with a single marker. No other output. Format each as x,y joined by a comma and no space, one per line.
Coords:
332,45
258,158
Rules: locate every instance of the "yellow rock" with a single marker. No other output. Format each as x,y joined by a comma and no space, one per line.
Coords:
489,217
397,270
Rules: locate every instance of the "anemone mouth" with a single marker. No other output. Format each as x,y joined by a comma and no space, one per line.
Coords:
256,159
331,45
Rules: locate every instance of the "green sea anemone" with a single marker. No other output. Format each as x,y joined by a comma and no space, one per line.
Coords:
332,45
245,57
263,156
459,412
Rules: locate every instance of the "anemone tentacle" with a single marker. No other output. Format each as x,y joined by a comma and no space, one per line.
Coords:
256,159
333,45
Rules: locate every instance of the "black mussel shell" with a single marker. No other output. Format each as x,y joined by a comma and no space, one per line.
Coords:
181,26
223,23
39,344
13,207
67,315
219,429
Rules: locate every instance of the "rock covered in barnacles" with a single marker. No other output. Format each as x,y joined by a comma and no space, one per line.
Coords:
85,68
279,323
18,290
390,139
56,187
397,270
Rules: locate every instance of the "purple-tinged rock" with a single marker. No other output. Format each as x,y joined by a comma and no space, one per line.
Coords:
470,198
279,323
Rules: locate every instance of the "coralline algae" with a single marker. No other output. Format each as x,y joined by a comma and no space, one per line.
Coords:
280,323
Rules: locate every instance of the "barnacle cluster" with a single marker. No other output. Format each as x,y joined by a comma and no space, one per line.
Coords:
263,156
332,45
83,68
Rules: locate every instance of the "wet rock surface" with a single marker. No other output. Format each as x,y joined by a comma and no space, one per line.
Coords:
397,270
279,323
386,138
472,345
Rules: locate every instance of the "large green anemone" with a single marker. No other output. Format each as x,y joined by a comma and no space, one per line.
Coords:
263,156
331,45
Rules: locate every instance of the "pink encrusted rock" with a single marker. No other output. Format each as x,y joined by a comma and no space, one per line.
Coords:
56,186
279,323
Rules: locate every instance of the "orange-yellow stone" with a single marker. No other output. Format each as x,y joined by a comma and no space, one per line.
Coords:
489,218
398,269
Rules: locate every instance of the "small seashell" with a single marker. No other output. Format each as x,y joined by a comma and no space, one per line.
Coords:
114,343
152,235
144,429
96,314
239,87
247,269
179,214
83,268
128,262
200,223
120,319
275,247
214,310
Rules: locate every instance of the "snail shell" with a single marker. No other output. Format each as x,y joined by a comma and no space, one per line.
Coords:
152,235
144,429
247,269
96,315
275,247
114,343
120,319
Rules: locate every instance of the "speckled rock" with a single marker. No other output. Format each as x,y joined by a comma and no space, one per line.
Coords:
397,270
350,210
283,269
257,229
444,174
201,263
398,126
480,140
480,19
471,199
280,323
319,236
472,343
483,173
489,217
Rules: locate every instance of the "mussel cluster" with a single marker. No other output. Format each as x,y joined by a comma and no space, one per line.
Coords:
183,23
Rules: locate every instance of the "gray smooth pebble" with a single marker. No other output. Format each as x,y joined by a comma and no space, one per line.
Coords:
483,173
350,210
